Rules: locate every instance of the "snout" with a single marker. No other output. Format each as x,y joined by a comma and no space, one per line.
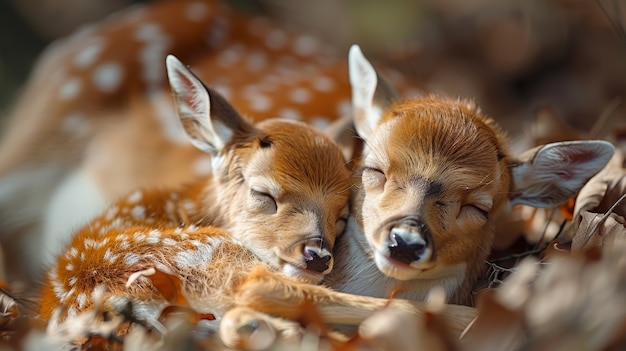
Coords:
309,259
317,259
409,241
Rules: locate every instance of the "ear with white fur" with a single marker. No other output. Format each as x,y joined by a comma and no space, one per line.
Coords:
549,175
208,119
371,93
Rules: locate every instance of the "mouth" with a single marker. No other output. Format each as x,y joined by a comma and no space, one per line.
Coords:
398,269
300,272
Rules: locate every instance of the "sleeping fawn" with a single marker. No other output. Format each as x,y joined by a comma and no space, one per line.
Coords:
435,173
278,193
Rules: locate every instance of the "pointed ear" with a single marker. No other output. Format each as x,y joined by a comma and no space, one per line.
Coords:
208,119
549,175
371,93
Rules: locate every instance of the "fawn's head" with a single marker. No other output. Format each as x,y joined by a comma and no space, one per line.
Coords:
280,187
436,171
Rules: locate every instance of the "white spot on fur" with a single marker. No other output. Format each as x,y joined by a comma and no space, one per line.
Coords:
69,267
256,61
260,103
153,237
70,89
124,245
138,212
305,45
169,241
82,300
344,107
72,281
57,286
323,84
109,256
108,76
290,113
276,39
139,237
193,258
110,214
147,31
217,33
196,11
320,123
230,56
134,197
131,259
189,206
72,253
88,55
300,95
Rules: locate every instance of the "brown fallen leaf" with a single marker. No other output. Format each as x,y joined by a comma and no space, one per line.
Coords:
600,211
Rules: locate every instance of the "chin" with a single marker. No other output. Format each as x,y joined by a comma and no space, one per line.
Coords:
395,269
302,274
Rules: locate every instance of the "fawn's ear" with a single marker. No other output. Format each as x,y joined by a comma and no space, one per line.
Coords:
371,93
208,119
548,175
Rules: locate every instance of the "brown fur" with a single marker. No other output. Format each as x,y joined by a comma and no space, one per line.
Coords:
175,230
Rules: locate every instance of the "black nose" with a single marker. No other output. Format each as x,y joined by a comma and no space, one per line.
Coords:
316,263
400,250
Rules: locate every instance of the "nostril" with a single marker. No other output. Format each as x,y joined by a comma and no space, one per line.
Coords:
404,252
314,262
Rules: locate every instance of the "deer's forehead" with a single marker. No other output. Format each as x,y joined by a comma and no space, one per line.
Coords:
461,153
300,176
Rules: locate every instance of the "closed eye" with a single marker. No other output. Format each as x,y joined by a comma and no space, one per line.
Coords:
479,209
264,200
373,176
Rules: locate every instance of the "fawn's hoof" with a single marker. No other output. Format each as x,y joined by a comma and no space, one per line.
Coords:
245,329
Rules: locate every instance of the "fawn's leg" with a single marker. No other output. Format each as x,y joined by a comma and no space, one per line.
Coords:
281,296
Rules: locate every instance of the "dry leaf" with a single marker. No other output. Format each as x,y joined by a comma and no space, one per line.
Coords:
497,327
600,196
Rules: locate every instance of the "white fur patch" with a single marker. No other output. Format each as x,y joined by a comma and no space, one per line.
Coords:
108,76
89,54
276,39
135,197
70,89
305,45
194,258
196,11
77,200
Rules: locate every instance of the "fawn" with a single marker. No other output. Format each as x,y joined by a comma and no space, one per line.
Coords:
96,120
435,173
278,193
